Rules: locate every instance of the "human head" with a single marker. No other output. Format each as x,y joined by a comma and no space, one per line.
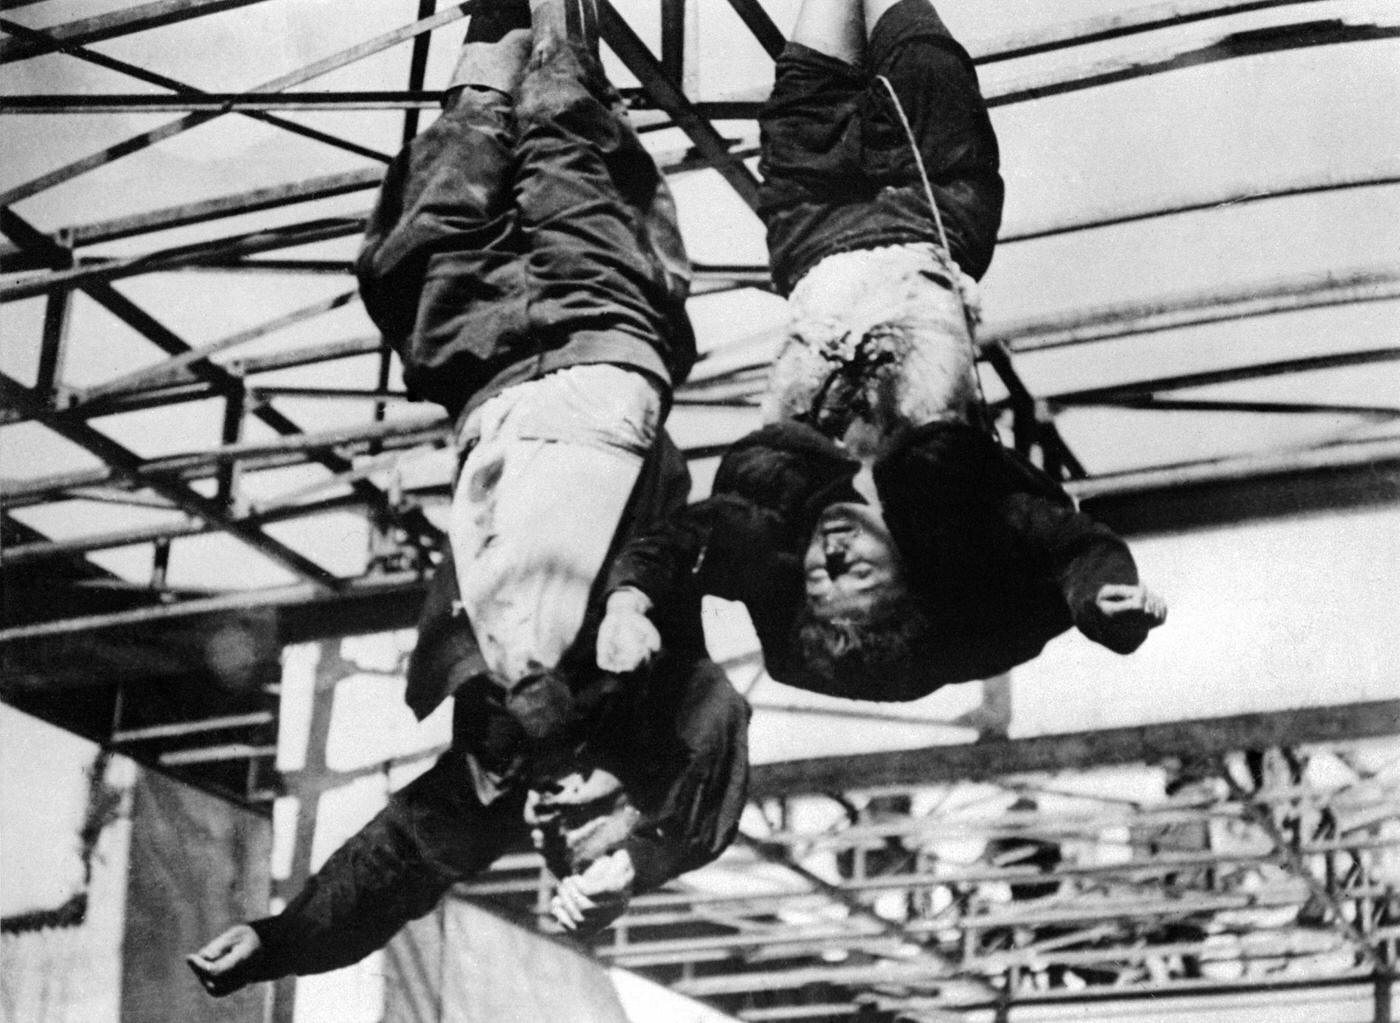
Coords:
851,562
879,653
862,631
851,558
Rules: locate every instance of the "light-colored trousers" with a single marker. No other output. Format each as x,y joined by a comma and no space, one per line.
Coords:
541,494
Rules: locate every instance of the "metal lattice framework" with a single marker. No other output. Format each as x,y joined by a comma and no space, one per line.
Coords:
1231,862
929,899
847,916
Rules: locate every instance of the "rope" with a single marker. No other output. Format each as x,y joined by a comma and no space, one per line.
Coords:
954,275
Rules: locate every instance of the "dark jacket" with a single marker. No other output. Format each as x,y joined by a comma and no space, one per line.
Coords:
676,735
997,554
679,745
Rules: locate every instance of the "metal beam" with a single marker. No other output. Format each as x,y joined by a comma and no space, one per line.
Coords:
140,18
757,275
165,82
668,96
54,342
1292,856
305,356
165,373
272,197
887,931
1062,81
417,67
45,549
673,39
403,433
136,143
1061,912
1153,995
56,103
48,549
1205,198
26,236
1032,422
1142,744
340,394
127,311
1174,312
266,240
769,36
1151,501
1250,43
1115,393
1151,402
1116,26
127,465
1104,323
310,190
291,449
393,600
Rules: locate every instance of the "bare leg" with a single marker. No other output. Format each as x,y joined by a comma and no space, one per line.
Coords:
832,27
874,11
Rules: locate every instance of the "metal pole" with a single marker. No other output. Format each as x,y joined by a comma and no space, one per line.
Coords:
146,139
265,598
127,464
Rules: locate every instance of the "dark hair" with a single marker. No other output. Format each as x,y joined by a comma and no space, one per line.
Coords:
878,653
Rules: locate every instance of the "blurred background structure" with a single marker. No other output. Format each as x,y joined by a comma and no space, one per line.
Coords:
218,508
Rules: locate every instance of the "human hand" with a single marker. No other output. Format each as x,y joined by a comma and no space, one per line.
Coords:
627,639
579,818
582,786
221,966
1129,606
589,901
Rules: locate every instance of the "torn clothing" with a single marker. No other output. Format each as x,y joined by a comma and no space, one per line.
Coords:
993,547
838,169
875,335
512,240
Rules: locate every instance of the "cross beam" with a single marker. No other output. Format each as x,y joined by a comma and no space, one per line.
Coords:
128,465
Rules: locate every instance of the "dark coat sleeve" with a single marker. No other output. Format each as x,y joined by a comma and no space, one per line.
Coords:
993,539
689,777
711,546
1081,555
744,542
396,868
727,547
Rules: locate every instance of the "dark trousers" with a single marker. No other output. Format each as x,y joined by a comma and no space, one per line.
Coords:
838,167
525,237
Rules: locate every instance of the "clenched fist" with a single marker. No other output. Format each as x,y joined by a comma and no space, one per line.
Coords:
222,965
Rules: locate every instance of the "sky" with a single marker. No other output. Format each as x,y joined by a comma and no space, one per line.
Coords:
1274,614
